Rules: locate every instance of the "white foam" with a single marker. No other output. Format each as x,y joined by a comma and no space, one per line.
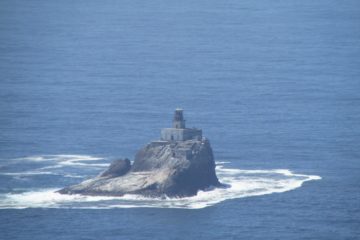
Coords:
59,157
221,162
54,165
65,160
56,162
44,198
242,183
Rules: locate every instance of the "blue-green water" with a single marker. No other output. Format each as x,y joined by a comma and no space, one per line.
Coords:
273,84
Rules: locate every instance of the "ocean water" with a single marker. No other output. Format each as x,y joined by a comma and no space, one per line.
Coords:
275,86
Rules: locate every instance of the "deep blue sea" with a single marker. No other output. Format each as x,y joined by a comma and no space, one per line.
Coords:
275,86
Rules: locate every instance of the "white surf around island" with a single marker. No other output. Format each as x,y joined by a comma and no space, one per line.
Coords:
241,184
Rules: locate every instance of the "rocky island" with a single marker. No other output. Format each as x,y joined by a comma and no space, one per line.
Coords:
178,165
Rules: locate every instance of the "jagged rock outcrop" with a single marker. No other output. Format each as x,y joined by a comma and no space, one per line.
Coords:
117,168
171,168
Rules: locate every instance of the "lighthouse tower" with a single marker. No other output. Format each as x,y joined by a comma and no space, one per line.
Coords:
178,121
179,132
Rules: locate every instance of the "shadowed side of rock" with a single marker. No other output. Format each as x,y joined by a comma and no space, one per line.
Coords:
196,173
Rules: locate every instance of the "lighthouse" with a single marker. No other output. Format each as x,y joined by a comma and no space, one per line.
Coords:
179,132
178,121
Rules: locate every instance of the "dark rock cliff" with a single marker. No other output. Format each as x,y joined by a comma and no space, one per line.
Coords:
180,168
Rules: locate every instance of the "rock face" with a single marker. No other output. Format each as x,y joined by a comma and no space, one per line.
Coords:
117,168
172,168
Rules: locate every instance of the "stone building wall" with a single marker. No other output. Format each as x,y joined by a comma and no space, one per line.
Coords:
178,134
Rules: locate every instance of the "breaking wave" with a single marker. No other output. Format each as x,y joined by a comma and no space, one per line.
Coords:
241,183
56,165
65,160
